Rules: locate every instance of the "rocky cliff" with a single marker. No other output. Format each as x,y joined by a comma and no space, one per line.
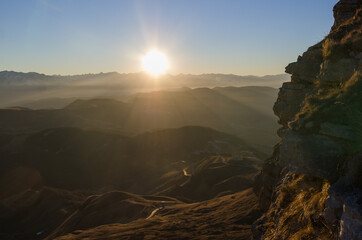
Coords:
310,188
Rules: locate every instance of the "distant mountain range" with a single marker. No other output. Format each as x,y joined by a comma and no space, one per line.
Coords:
141,79
20,89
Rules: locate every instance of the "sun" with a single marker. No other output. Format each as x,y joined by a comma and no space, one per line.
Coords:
155,62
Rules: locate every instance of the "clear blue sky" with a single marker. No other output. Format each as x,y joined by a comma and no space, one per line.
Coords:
245,37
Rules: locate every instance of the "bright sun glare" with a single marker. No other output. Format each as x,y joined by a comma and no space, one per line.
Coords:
155,62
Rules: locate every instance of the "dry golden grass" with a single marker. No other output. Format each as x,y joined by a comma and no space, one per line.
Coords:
297,212
227,217
340,105
327,46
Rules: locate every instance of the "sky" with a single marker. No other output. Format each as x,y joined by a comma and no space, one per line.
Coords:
244,37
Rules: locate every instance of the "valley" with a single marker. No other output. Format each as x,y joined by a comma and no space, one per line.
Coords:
159,154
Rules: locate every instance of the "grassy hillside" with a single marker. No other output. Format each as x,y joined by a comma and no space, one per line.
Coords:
71,158
78,177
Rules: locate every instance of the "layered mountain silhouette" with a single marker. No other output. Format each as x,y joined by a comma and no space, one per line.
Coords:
138,158
39,90
245,112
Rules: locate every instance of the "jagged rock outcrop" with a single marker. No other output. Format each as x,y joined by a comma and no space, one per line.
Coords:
345,10
290,97
311,187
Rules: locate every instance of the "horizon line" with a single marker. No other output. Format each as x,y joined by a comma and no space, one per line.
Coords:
143,72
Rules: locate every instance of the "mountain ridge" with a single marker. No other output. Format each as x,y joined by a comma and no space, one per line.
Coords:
12,77
245,112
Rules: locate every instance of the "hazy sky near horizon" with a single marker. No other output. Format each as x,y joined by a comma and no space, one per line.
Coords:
244,37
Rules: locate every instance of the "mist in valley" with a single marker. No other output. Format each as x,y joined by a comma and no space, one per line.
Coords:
194,133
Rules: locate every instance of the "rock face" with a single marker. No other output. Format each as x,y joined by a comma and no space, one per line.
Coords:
320,111
290,97
343,210
311,154
345,10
